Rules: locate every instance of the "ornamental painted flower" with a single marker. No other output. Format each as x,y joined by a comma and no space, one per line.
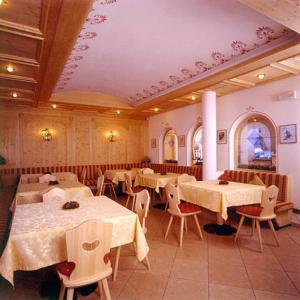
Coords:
175,79
97,19
219,57
238,46
164,84
202,66
87,35
265,32
81,48
188,73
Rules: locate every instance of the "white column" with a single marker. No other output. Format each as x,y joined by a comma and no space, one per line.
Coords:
209,117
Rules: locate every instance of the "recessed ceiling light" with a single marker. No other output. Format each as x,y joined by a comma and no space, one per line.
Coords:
261,76
14,94
9,68
193,98
156,109
118,112
3,2
54,106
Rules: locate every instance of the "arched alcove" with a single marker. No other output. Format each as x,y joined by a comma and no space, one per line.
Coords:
253,142
169,147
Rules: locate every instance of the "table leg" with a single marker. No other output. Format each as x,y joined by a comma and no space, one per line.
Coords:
117,263
220,220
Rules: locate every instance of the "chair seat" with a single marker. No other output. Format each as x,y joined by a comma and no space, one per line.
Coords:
137,189
107,181
251,210
66,268
187,208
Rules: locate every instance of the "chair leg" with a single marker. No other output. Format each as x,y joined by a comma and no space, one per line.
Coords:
185,224
133,202
117,263
274,232
100,289
148,263
259,235
106,289
70,293
181,231
253,227
127,201
239,228
198,226
114,192
167,204
169,225
62,292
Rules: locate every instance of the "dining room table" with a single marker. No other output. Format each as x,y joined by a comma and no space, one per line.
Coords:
37,237
60,176
217,197
33,192
118,175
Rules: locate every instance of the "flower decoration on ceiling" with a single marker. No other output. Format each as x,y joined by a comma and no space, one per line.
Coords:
81,48
97,19
67,73
87,35
218,57
187,73
265,32
238,47
75,58
105,2
175,79
202,66
74,66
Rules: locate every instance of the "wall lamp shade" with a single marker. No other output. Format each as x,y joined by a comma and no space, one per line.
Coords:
46,135
112,136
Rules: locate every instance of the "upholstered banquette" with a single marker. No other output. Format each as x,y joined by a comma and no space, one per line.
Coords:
284,206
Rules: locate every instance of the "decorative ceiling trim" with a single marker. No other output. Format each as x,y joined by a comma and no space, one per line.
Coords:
264,35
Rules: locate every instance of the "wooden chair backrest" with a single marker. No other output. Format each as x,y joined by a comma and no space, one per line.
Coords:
128,184
87,245
100,185
268,201
55,194
99,172
185,178
147,171
142,202
173,199
46,178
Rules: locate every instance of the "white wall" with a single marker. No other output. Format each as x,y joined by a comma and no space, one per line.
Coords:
231,107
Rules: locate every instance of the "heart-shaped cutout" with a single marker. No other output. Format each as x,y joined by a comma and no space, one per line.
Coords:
90,246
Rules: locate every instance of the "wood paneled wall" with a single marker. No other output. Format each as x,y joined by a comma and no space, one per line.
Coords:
77,139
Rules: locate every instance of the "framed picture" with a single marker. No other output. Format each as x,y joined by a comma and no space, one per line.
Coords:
153,143
181,141
288,134
222,136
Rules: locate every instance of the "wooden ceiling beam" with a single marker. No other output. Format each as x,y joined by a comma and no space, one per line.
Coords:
284,68
19,60
239,83
10,89
285,12
64,22
17,78
16,99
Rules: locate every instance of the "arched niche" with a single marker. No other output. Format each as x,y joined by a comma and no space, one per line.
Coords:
253,142
192,137
168,146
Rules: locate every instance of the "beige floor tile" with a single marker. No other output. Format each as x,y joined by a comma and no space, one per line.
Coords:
143,285
261,261
225,274
225,255
178,289
295,277
190,270
263,295
225,292
289,263
273,281
194,250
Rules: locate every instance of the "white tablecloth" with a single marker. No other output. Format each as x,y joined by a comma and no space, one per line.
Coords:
37,236
215,197
60,176
118,175
155,180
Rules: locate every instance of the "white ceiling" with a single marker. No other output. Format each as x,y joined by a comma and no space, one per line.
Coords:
137,49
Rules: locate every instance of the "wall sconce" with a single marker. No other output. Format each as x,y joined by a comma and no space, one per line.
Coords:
46,135
112,136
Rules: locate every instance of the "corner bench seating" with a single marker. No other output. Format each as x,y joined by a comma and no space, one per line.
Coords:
284,207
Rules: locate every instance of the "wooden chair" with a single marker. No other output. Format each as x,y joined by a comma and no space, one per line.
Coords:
83,175
142,202
108,184
181,210
264,212
55,194
46,178
131,191
100,186
88,246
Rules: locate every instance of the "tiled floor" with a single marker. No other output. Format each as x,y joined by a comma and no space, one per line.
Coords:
211,269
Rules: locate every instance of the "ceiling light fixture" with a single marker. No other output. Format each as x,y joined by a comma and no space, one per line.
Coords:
54,106
193,98
9,68
14,94
156,109
118,112
3,2
261,76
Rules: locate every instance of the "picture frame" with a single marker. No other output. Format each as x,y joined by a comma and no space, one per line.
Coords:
181,141
222,136
288,134
153,143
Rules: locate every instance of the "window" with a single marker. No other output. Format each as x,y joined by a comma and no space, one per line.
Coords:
170,147
256,144
197,152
